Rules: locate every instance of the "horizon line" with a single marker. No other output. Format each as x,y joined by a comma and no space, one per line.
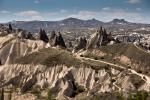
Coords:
73,18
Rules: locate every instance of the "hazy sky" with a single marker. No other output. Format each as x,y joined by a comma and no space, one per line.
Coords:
104,10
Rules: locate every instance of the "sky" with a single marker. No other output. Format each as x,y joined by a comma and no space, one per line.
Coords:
52,10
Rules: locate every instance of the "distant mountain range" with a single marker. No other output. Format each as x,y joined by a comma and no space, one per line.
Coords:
74,23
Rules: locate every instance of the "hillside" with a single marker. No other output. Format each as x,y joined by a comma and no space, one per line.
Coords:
36,70
124,54
49,57
44,68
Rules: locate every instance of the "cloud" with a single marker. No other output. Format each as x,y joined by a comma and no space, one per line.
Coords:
84,14
120,13
28,13
103,15
133,1
33,15
36,1
138,9
4,12
106,8
63,11
107,15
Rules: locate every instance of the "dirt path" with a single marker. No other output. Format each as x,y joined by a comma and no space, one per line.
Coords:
144,77
141,48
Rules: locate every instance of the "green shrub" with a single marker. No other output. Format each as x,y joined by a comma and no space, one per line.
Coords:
49,95
79,89
140,95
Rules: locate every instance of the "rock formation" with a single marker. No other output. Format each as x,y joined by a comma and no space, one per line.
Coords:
100,38
29,84
56,39
22,34
70,44
63,80
24,65
30,36
10,29
43,36
11,48
60,41
81,44
52,38
4,30
15,81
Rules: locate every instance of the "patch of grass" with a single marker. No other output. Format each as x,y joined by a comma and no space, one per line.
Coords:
136,56
139,95
53,57
79,89
108,96
49,95
108,58
129,50
136,80
49,57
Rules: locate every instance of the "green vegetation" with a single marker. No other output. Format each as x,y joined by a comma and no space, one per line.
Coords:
108,96
108,58
49,95
140,95
138,57
53,57
129,50
50,57
136,80
79,89
36,90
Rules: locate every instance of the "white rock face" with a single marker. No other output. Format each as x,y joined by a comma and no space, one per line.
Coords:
15,48
63,78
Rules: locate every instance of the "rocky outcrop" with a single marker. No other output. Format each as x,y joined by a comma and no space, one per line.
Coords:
5,30
29,84
10,29
81,44
22,34
60,41
70,45
15,48
15,81
30,36
52,38
100,38
62,81
56,39
43,36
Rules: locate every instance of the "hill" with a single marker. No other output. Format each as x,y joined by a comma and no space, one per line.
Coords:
78,24
125,54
